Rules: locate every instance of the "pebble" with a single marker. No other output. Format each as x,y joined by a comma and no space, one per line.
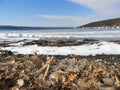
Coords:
58,73
108,81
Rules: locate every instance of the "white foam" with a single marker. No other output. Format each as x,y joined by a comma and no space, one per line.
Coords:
58,34
87,49
101,48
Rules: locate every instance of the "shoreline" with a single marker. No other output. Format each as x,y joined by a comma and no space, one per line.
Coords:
55,42
109,58
63,47
56,72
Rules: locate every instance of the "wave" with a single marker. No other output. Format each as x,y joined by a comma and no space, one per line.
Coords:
60,34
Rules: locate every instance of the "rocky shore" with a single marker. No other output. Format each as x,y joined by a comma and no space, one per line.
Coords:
71,72
58,72
51,42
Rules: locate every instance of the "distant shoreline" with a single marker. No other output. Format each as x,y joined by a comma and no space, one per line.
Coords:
30,27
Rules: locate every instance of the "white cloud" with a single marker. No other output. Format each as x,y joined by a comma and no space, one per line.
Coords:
62,20
105,8
57,17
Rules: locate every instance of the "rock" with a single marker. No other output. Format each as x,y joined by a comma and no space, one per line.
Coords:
36,72
107,88
6,53
108,81
20,82
15,88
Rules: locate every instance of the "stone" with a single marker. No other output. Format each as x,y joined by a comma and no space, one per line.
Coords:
108,81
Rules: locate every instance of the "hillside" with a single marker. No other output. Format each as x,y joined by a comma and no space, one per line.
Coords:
104,23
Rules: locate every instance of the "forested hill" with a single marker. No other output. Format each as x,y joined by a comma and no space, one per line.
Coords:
104,23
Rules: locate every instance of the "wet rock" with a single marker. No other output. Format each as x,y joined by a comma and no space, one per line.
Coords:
58,42
6,53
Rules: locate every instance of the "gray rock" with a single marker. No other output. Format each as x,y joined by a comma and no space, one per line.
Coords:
108,81
107,88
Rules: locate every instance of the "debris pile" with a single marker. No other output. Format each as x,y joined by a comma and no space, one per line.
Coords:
70,73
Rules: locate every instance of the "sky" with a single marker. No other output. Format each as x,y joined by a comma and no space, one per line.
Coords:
56,13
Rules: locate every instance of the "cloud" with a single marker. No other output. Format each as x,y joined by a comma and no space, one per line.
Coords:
57,17
105,8
62,20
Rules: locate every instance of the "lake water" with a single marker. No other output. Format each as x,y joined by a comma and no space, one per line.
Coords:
72,34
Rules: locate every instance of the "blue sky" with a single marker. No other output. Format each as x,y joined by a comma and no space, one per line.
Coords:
56,12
